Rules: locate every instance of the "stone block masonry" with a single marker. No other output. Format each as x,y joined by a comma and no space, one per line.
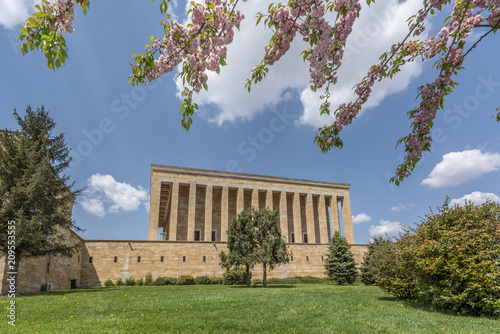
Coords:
186,205
113,259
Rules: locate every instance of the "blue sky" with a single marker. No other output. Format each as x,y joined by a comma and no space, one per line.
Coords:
117,131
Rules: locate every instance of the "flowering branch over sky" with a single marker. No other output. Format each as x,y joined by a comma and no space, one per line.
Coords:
201,46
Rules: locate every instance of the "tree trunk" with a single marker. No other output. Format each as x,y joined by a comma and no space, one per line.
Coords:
264,276
248,275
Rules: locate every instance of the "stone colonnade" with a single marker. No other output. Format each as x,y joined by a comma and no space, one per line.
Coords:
198,205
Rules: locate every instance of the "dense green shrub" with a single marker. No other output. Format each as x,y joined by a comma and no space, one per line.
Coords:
160,281
216,280
457,254
165,281
257,281
202,280
130,281
235,276
274,280
450,260
119,282
139,282
170,280
392,268
305,280
295,280
339,263
148,279
108,282
185,280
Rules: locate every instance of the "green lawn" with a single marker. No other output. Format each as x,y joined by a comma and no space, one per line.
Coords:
231,309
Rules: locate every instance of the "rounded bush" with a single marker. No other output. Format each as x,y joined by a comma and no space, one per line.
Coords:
130,281
185,280
202,280
216,280
108,282
451,260
235,276
456,255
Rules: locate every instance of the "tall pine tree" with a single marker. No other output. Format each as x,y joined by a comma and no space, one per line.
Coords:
367,272
35,194
340,264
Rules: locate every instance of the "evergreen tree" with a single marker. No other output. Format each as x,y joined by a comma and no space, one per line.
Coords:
340,264
272,246
367,272
35,195
241,243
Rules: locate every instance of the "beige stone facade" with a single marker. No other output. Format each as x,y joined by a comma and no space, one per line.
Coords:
113,259
61,271
191,210
198,205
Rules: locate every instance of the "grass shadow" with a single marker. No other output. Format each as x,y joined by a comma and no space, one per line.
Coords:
418,305
269,286
67,292
389,299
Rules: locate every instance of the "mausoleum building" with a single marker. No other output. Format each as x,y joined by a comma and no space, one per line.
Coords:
190,211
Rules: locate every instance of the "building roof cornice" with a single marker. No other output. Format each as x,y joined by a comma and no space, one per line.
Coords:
244,176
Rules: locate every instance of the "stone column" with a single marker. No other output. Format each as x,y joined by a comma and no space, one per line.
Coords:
347,219
283,215
311,233
334,216
323,222
155,211
174,205
224,214
240,201
255,198
269,199
208,213
191,211
297,218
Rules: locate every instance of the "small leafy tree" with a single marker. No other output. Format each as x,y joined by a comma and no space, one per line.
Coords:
242,244
340,264
271,245
35,194
367,274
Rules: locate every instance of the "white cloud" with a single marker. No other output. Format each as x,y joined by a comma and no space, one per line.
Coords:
94,206
475,197
459,167
401,206
386,228
361,218
377,28
147,205
103,191
15,12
